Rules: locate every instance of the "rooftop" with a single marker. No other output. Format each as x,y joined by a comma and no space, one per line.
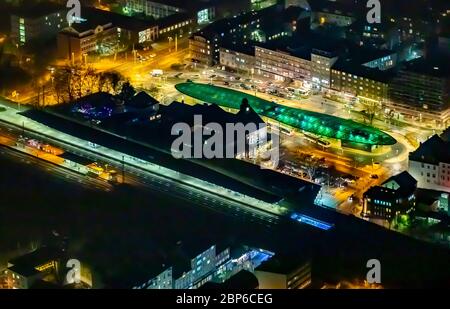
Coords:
381,193
29,10
95,17
350,66
24,270
283,45
284,264
186,5
142,100
180,112
446,135
37,257
404,180
436,67
433,151
243,280
173,19
246,49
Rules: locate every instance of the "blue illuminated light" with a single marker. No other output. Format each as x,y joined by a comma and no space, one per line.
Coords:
311,221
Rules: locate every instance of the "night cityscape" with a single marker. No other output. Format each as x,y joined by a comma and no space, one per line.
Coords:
216,145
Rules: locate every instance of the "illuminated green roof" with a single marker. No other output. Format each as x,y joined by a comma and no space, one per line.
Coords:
316,123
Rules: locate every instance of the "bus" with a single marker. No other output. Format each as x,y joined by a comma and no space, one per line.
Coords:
317,140
298,91
157,73
281,129
323,143
286,131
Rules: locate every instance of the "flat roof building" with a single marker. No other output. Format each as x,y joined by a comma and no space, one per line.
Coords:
393,198
37,22
421,90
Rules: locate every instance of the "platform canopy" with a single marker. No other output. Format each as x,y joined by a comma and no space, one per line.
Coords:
307,121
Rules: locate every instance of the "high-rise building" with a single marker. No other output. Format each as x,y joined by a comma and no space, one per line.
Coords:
41,22
321,63
208,266
283,65
364,81
239,59
421,90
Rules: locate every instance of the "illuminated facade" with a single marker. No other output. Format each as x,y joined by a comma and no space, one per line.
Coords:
316,123
73,43
179,25
159,9
261,4
202,49
321,63
240,61
209,267
38,26
422,90
281,65
333,18
394,197
364,87
206,15
152,8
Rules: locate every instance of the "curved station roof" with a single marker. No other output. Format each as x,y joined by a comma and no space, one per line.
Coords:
312,122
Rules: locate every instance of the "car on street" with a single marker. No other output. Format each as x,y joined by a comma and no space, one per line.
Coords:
244,86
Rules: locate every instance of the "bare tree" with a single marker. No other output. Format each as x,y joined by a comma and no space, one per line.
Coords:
73,82
312,165
153,90
371,109
90,80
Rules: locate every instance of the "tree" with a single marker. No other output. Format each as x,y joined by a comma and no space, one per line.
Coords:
114,79
127,92
371,109
90,80
74,82
153,90
312,164
389,116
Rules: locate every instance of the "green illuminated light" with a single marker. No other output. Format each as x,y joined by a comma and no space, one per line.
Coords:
316,123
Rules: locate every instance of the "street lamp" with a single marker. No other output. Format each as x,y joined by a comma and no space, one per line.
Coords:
15,96
170,41
134,55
